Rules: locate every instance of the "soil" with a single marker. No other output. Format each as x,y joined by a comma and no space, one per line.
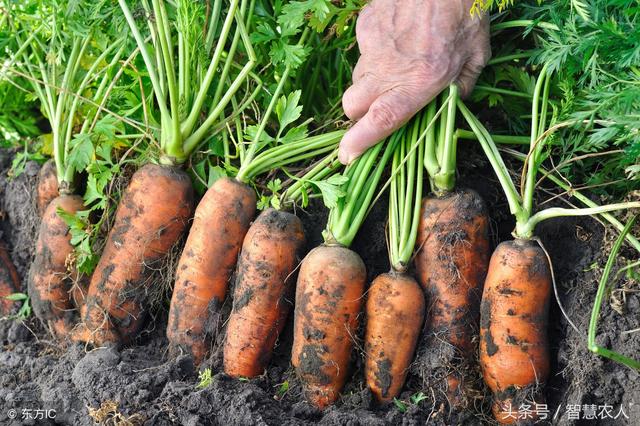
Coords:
143,384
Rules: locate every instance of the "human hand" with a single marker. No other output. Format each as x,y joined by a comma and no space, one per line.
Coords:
410,51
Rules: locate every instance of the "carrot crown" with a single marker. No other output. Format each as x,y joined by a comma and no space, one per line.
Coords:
441,143
350,211
192,94
405,195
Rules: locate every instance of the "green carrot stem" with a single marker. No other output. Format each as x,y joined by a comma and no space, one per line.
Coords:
526,229
496,161
346,218
500,139
499,91
597,306
445,179
536,145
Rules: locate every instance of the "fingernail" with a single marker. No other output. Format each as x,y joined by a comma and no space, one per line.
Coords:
343,157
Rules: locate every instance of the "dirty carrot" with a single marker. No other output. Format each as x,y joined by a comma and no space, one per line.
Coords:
57,88
48,281
395,301
153,213
46,187
514,350
9,282
452,259
265,279
331,283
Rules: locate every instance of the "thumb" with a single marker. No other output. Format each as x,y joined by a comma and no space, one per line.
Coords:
385,115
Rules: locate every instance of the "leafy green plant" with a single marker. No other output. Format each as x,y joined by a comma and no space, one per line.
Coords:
25,310
204,379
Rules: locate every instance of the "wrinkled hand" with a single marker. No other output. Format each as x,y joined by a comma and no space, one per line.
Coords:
410,51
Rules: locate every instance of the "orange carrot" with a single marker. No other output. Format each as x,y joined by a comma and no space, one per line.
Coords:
152,215
451,266
514,352
9,282
209,256
47,186
48,281
264,282
395,313
328,300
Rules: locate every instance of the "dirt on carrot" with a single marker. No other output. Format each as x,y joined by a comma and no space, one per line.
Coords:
47,187
9,282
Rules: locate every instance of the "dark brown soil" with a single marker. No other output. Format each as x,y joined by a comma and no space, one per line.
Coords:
143,385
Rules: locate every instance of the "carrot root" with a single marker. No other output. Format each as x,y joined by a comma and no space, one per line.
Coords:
49,282
514,352
9,282
395,314
328,301
451,266
219,226
263,290
152,215
47,186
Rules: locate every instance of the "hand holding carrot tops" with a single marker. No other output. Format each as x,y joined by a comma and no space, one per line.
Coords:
410,51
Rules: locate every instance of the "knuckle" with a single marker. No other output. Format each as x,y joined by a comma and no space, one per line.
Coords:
432,71
384,116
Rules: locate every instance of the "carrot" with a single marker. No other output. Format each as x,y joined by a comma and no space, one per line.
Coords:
47,186
395,301
395,311
514,352
153,213
330,286
209,256
328,300
9,282
48,281
270,253
451,266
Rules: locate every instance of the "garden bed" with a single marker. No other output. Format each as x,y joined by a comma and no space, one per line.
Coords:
141,384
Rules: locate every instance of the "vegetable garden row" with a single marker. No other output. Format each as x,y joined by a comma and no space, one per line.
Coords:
205,99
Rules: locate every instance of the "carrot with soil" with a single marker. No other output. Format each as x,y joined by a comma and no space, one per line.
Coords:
265,277
331,283
46,187
192,97
9,282
452,259
51,275
514,350
395,301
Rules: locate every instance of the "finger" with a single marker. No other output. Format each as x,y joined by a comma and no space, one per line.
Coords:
358,98
472,69
385,115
